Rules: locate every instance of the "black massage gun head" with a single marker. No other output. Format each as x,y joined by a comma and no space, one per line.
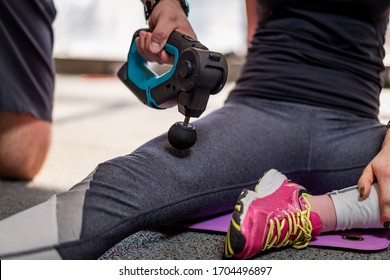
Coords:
182,136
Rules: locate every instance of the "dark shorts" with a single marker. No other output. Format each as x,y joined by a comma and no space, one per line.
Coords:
27,68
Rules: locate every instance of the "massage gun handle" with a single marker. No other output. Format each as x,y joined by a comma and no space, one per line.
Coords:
195,74
155,91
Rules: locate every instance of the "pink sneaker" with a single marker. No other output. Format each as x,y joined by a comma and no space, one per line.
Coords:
276,214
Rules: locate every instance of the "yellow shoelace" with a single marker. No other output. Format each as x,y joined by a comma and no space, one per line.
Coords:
299,224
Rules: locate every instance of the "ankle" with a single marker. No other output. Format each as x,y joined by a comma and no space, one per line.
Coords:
323,206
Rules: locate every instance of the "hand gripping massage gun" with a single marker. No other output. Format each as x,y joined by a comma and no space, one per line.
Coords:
196,73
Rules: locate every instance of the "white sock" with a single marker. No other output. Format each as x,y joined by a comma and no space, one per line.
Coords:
354,213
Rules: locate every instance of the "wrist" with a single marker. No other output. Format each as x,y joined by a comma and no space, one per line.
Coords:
149,6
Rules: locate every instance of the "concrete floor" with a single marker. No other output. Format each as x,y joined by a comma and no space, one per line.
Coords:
96,118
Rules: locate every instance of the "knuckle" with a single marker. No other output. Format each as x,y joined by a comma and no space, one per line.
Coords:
385,203
386,200
159,36
384,170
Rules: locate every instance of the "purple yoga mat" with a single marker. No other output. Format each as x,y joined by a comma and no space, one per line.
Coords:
365,240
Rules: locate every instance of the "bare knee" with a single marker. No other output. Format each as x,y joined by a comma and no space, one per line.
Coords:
24,143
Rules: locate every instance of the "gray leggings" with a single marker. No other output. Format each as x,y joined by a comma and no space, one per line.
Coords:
322,149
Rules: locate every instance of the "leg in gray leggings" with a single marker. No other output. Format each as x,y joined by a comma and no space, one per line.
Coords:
320,148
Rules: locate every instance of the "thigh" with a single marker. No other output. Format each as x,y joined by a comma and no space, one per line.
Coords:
342,146
26,72
156,184
235,146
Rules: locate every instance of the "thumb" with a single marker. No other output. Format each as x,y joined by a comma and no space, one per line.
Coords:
384,200
159,38
365,182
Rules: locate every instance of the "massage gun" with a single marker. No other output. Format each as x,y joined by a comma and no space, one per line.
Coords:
196,73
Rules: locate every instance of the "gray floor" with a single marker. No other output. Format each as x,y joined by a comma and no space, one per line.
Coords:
95,119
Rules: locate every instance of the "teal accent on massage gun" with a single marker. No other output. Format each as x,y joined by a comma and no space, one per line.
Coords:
195,74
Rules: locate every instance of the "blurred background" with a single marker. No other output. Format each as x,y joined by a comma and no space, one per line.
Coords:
103,29
95,116
95,35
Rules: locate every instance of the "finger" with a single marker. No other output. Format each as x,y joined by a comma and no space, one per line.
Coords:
158,41
143,41
384,199
147,39
166,58
160,34
156,56
140,45
142,48
161,57
365,182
